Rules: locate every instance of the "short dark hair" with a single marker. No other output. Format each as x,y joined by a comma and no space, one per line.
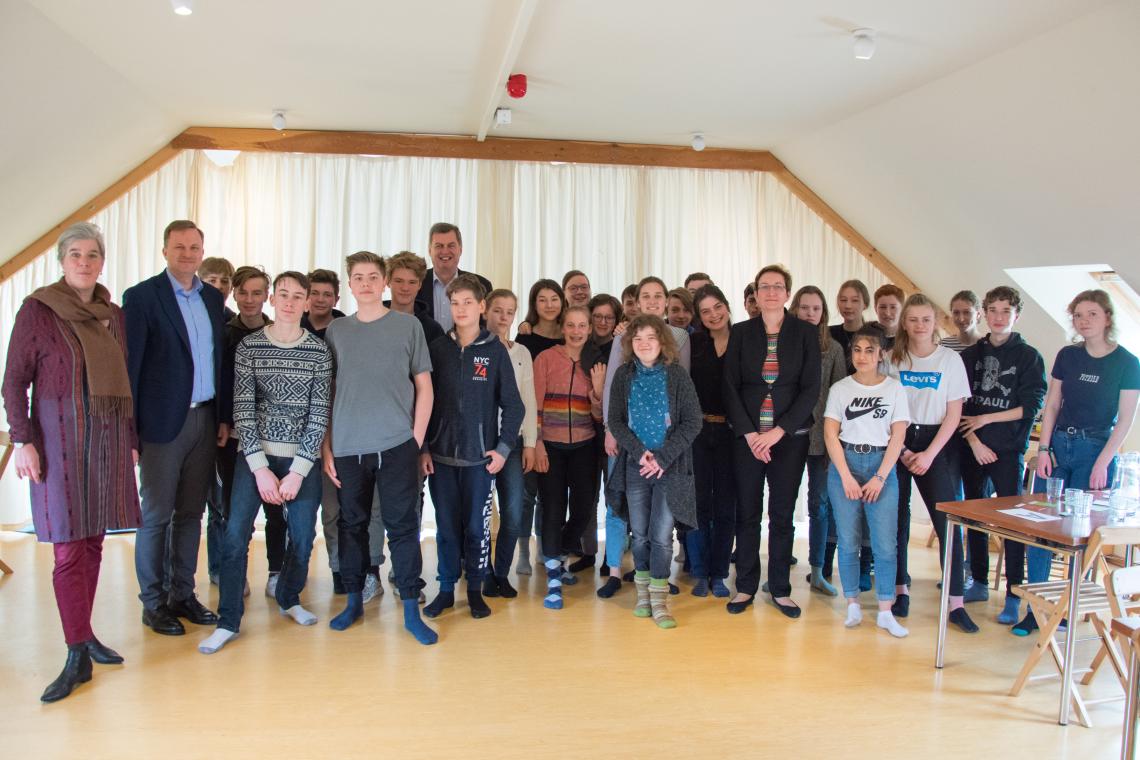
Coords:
685,297
466,282
1004,293
605,299
178,225
749,290
629,291
442,228
780,270
325,276
301,279
366,257
697,276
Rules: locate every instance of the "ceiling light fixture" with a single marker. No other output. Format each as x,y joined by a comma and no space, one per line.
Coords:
698,142
864,40
278,120
183,7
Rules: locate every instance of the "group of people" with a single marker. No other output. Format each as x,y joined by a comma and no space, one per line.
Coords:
657,401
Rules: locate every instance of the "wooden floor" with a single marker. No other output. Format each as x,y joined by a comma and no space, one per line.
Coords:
589,681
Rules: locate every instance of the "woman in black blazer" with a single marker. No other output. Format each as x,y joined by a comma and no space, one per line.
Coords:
772,377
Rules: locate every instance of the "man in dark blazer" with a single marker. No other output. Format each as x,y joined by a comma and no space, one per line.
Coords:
174,358
445,245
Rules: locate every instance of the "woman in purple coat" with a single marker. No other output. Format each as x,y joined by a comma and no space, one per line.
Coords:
78,444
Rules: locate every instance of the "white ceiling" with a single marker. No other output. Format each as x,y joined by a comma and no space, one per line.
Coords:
981,133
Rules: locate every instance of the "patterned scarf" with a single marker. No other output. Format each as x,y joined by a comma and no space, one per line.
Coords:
108,385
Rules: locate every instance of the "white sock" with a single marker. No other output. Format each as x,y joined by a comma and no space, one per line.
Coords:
854,615
887,620
299,614
216,640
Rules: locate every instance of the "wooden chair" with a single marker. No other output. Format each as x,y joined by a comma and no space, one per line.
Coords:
1050,602
1123,591
6,446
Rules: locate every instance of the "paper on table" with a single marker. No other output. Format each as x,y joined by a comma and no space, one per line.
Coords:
1028,514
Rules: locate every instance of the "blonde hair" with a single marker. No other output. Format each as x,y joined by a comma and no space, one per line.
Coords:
901,350
1103,300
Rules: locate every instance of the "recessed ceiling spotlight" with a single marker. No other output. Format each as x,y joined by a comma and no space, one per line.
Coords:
183,7
864,40
698,142
278,120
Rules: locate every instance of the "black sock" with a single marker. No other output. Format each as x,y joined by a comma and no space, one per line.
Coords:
611,587
442,601
586,562
475,603
506,590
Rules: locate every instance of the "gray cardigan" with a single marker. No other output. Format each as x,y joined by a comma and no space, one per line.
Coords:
833,368
675,455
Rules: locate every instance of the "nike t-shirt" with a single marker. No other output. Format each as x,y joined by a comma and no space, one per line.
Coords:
932,382
865,412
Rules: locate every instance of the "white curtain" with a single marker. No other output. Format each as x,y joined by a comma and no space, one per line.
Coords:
520,221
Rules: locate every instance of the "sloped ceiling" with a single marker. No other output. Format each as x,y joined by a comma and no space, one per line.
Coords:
981,136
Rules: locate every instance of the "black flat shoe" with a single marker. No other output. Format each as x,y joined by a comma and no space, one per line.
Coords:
735,608
901,607
193,610
787,610
75,671
163,621
102,654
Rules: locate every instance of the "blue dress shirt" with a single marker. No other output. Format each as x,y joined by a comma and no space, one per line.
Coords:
201,334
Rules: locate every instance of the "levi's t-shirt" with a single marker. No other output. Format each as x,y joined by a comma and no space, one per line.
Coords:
931,382
1091,386
865,412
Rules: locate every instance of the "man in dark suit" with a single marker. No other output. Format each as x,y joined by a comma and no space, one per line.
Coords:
445,245
174,350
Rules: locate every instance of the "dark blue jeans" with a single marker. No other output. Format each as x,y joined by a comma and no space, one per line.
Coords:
821,520
301,517
462,498
509,485
651,522
1075,454
709,544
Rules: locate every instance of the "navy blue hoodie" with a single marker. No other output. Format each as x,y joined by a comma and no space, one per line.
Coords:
471,385
1004,377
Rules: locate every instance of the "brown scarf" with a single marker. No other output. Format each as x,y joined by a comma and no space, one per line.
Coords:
108,385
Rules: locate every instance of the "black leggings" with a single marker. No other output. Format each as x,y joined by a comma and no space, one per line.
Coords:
981,481
940,483
571,479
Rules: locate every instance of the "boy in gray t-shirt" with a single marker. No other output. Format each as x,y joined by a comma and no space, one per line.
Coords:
381,405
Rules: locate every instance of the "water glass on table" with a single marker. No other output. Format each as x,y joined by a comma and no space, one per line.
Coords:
1053,491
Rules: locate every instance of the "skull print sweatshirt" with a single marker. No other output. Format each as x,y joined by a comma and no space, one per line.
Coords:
1004,377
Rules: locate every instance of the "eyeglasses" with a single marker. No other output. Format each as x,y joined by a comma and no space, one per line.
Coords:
577,288
604,318
773,288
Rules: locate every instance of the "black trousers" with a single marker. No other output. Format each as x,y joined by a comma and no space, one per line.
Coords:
716,501
981,481
941,482
783,475
394,475
571,480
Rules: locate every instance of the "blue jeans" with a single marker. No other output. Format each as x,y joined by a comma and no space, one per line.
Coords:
882,519
509,485
651,521
301,517
462,498
821,521
616,530
1075,454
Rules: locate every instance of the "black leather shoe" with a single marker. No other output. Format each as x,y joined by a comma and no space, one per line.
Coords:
193,610
102,654
75,671
735,608
162,621
789,610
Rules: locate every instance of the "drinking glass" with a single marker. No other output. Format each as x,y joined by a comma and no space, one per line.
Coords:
1053,489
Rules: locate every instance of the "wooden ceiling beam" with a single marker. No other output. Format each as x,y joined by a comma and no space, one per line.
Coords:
458,146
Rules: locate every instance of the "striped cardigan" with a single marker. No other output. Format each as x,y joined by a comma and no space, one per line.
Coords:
567,406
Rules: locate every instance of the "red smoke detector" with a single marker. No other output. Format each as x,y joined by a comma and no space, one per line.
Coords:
516,85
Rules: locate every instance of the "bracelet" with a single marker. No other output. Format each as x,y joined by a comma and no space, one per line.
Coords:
880,478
